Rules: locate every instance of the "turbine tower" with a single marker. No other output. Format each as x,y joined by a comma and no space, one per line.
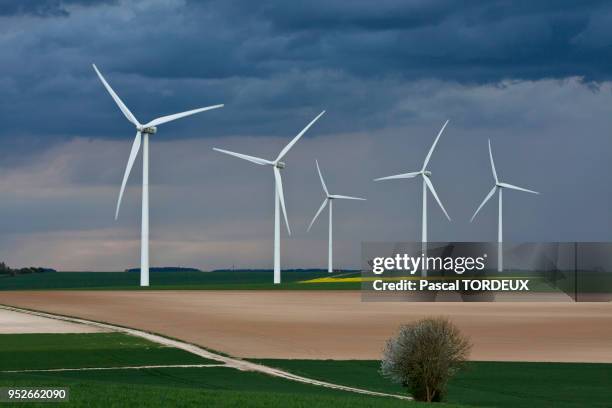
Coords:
329,199
277,165
427,184
499,187
147,129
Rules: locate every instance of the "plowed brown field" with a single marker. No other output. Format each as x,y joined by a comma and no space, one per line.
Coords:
336,324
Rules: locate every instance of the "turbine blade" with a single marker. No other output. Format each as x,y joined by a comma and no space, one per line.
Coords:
433,146
170,118
252,159
343,197
513,187
399,176
492,162
299,135
279,187
318,212
433,192
321,177
487,198
118,101
128,169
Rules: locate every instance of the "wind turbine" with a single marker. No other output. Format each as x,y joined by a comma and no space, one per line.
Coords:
329,199
277,165
427,184
147,129
499,186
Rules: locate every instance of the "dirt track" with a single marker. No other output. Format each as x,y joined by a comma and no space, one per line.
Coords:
336,324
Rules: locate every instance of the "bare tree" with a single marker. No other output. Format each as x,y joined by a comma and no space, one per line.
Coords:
424,355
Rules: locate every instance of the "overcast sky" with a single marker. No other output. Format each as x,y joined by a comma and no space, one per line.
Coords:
533,77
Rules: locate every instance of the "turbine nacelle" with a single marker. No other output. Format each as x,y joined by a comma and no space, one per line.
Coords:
426,173
151,130
279,165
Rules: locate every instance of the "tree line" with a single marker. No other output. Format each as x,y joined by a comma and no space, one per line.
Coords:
7,270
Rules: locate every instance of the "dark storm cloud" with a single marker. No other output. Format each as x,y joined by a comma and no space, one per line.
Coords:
275,64
464,41
478,41
44,8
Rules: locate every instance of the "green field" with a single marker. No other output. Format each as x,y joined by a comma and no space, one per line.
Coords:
45,351
260,280
158,387
218,280
483,384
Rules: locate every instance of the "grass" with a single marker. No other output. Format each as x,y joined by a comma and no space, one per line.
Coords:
159,387
218,387
47,351
482,384
217,280
516,384
490,384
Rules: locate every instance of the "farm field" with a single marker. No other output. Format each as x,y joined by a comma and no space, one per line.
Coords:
592,286
70,350
336,324
217,280
155,387
482,383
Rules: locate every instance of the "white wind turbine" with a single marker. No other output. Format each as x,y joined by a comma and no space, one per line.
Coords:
277,165
499,186
146,130
329,199
427,184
